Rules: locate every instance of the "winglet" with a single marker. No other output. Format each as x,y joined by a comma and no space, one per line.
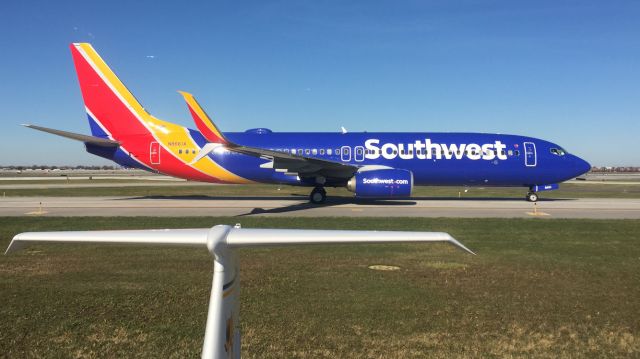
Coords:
456,243
202,120
14,246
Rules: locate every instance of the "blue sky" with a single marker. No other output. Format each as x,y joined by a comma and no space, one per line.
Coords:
565,71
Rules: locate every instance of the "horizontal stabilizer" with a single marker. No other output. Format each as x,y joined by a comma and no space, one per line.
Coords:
98,141
233,237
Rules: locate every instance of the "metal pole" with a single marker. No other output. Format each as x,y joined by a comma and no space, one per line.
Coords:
213,346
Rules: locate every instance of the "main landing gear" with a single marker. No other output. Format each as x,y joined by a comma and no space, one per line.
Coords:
532,197
318,195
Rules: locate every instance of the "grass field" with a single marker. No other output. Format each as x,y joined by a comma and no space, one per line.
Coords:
553,288
567,190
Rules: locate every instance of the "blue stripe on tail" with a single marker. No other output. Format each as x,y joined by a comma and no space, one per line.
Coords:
96,130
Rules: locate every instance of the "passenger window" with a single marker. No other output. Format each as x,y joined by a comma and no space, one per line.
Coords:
293,151
180,151
306,151
517,152
321,151
329,152
510,152
314,151
337,152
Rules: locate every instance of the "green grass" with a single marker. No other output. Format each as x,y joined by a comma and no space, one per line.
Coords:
568,190
552,288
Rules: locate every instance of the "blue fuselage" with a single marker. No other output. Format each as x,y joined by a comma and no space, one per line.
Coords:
470,159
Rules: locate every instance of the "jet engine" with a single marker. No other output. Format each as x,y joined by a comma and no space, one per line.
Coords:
382,183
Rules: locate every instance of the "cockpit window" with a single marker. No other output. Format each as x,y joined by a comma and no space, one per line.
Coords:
557,151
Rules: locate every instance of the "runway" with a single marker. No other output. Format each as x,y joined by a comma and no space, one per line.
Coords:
299,207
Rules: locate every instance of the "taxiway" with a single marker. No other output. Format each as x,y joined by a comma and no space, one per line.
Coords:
299,207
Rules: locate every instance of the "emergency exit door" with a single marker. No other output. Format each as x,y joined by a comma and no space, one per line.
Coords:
346,153
154,153
530,154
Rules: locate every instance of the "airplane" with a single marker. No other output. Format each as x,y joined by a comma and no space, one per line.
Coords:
369,164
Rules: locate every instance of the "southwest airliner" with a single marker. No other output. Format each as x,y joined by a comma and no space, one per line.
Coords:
370,164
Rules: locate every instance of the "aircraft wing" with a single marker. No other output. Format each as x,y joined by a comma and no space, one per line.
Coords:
233,237
280,161
304,166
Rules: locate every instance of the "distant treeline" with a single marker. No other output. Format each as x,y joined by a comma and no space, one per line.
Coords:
615,169
43,167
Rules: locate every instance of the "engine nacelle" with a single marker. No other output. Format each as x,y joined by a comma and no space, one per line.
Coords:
382,183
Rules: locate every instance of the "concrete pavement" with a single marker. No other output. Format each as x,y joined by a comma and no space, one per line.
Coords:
291,206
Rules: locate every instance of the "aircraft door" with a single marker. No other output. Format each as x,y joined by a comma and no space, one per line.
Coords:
345,152
530,159
358,153
154,153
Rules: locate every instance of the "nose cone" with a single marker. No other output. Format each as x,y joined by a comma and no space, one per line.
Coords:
581,166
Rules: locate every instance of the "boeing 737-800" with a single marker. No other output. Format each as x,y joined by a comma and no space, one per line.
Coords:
370,164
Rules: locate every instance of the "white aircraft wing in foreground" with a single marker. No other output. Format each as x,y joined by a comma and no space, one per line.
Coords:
222,334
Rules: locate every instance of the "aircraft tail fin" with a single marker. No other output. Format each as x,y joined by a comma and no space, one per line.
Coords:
208,129
112,109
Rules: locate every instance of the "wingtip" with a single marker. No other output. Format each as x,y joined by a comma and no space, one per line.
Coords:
14,246
456,243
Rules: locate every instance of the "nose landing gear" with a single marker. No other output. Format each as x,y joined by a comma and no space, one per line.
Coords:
318,195
532,197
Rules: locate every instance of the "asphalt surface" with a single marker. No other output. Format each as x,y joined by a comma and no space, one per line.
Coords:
287,206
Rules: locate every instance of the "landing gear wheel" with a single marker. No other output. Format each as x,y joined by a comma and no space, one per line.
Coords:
318,195
532,197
